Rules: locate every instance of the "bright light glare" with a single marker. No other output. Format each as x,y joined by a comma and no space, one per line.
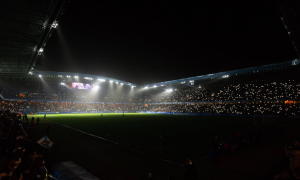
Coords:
62,83
111,81
121,83
96,87
76,77
146,87
155,86
54,24
101,80
169,90
40,75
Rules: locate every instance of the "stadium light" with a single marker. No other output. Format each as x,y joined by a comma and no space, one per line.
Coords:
40,75
40,51
132,86
96,87
30,73
88,78
62,83
121,83
60,75
111,81
161,85
155,86
225,76
101,80
76,77
169,90
68,76
146,87
54,24
117,82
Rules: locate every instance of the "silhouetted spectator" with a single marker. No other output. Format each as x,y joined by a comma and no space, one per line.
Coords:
190,170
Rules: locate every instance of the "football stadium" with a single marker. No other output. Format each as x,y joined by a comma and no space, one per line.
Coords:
236,124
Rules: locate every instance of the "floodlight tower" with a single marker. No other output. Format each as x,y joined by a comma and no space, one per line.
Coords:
289,13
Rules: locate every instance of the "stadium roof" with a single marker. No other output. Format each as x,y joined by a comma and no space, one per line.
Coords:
25,29
227,74
68,75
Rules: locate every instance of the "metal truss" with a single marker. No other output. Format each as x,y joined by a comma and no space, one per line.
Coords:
289,12
25,28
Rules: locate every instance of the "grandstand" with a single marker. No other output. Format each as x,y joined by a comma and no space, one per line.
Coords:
137,128
212,93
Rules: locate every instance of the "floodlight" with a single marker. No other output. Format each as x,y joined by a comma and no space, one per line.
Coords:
54,24
101,80
40,51
121,83
146,87
161,85
76,77
60,76
117,82
96,87
169,90
62,83
132,86
155,86
40,75
30,73
111,81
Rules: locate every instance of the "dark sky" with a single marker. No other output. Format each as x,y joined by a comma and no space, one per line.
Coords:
158,42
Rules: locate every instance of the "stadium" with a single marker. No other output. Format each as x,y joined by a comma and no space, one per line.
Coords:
108,128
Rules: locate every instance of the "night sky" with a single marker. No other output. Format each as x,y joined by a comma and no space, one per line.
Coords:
151,43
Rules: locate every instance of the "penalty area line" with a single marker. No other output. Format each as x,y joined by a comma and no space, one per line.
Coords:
119,144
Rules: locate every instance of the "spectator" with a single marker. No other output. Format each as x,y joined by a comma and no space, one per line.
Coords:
190,170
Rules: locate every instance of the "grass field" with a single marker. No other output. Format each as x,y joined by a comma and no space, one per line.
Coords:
155,138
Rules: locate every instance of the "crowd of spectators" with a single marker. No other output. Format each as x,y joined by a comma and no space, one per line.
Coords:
262,97
245,108
291,165
19,154
254,91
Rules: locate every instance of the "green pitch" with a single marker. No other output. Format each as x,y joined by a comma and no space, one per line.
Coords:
154,136
156,130
149,128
